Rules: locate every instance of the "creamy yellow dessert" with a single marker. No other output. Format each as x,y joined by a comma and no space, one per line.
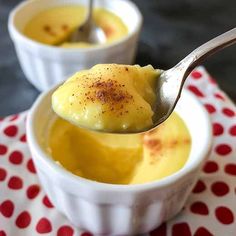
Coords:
53,26
117,98
110,97
121,159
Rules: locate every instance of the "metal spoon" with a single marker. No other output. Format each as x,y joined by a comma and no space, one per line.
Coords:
88,32
170,82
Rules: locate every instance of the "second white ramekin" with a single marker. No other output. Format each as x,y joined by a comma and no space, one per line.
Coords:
110,209
45,66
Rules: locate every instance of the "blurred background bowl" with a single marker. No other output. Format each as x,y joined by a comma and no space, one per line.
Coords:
45,65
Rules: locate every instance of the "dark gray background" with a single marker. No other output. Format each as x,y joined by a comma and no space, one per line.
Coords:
172,28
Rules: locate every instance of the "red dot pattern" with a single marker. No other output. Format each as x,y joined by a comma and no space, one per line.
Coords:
195,90
23,138
224,215
210,108
2,233
223,149
3,149
15,183
47,202
11,131
210,167
65,230
23,220
32,191
232,130
219,96
218,129
86,234
199,187
199,208
18,173
16,157
228,112
7,208
30,166
219,188
44,226
181,229
3,174
230,169
196,74
160,231
202,231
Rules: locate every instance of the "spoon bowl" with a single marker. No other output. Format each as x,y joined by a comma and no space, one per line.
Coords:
170,83
88,32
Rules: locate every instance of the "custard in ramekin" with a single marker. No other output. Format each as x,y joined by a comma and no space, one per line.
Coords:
103,208
47,65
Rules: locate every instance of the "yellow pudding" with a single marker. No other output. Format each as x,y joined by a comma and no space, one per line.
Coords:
117,98
53,26
110,97
121,159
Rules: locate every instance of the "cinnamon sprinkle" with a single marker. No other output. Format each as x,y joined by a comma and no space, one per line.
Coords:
65,27
48,29
154,144
110,93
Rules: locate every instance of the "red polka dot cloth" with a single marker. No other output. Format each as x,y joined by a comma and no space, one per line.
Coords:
25,210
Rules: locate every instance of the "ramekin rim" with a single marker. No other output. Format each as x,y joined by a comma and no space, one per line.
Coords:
58,170
15,33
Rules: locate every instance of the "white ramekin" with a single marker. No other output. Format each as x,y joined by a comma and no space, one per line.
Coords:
45,66
118,209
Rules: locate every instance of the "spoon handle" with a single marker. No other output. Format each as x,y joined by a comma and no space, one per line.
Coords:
207,49
89,13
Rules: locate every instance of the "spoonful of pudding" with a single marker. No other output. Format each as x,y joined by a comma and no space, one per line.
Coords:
129,99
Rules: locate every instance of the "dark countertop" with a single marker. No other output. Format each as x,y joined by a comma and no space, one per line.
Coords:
171,30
